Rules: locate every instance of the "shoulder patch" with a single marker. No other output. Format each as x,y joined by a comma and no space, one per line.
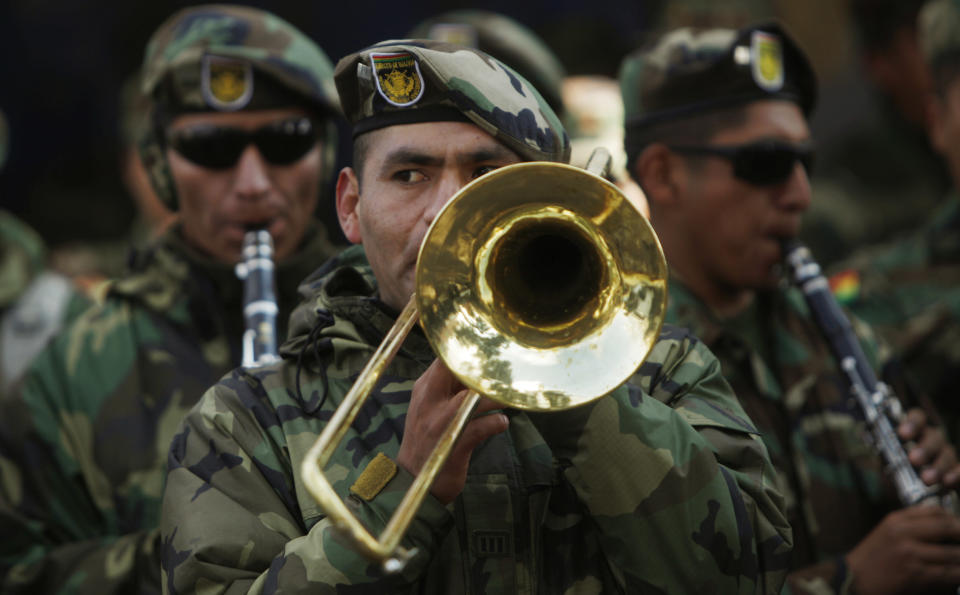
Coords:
227,84
398,77
767,61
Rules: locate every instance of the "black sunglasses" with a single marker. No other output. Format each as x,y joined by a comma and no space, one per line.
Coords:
763,163
218,147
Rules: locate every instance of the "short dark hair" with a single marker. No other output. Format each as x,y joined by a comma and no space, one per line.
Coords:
361,146
690,130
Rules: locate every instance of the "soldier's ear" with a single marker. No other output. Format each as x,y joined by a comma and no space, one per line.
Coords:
348,199
656,169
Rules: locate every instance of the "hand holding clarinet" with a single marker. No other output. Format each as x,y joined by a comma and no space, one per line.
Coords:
916,548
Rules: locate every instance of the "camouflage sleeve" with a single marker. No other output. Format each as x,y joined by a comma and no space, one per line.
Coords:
232,516
686,466
59,521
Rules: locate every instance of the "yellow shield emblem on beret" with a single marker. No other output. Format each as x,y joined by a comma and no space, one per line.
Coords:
767,54
398,78
226,84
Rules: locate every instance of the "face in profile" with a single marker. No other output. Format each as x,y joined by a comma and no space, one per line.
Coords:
226,184
409,173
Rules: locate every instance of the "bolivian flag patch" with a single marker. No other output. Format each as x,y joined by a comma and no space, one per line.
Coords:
398,78
845,286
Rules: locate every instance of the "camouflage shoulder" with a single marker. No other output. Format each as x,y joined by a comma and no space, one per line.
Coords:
683,373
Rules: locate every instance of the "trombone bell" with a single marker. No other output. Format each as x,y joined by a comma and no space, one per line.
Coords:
540,286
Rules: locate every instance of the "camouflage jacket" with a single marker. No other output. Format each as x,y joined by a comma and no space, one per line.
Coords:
909,291
34,303
790,387
83,441
661,487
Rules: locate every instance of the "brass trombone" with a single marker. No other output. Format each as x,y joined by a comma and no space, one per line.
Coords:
541,287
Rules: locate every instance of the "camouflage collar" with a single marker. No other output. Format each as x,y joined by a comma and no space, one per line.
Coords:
21,257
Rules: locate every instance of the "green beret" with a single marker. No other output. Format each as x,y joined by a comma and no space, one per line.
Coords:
204,58
407,81
939,31
506,40
690,71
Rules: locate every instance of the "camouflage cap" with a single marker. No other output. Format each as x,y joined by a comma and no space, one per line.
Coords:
406,81
506,40
939,31
205,57
690,71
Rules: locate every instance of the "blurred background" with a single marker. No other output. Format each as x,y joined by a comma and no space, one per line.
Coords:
64,65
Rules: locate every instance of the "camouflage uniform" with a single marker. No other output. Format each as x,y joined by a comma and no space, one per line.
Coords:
909,289
541,512
834,484
660,487
83,442
34,303
772,353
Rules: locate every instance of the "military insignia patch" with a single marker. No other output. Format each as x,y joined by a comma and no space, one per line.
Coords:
767,61
227,84
398,78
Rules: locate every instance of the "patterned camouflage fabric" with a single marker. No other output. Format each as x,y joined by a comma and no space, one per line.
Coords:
397,82
505,39
660,487
909,291
83,442
186,46
34,303
834,484
689,71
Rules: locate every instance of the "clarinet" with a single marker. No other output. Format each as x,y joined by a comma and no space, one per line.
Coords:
259,299
881,408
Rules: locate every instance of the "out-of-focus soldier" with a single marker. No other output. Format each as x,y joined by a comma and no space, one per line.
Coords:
883,178
717,137
35,303
909,289
239,136
594,118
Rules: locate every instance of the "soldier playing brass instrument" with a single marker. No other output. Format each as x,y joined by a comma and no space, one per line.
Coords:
648,489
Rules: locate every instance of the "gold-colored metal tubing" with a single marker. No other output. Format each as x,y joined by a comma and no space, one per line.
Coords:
410,504
335,429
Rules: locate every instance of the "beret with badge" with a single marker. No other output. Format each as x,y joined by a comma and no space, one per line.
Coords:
408,81
219,57
505,39
687,72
